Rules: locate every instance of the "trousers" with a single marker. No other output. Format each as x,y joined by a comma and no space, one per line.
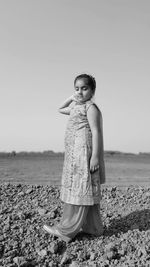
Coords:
80,218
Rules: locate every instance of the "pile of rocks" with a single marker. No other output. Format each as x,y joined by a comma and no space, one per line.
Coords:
25,208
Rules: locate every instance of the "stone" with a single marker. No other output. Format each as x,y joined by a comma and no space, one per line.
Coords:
18,260
110,255
51,214
41,211
42,253
74,264
51,264
29,191
21,194
92,264
53,247
65,259
92,256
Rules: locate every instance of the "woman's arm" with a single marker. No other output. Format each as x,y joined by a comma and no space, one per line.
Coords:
64,108
96,124
93,115
102,163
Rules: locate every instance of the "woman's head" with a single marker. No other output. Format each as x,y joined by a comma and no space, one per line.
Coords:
85,86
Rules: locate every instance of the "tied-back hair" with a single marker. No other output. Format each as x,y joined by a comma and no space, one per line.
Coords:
90,78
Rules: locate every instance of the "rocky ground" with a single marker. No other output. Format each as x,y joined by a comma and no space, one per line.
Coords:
25,208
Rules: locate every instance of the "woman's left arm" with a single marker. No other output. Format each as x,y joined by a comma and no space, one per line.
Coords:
93,115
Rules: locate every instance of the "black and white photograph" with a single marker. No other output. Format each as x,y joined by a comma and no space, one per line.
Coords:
74,133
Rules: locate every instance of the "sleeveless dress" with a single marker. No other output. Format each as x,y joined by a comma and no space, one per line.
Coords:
79,186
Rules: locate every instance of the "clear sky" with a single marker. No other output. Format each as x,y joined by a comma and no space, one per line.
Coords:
44,44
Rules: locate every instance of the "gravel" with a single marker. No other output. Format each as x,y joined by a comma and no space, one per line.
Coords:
25,208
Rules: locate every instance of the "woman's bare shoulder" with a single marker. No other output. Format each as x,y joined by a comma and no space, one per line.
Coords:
94,109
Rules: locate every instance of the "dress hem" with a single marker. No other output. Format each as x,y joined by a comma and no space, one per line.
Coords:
80,202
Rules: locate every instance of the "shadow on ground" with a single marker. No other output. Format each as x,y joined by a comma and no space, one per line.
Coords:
139,219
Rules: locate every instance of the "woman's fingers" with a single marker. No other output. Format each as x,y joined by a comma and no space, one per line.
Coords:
94,168
91,169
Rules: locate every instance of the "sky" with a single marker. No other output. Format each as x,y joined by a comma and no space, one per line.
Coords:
45,44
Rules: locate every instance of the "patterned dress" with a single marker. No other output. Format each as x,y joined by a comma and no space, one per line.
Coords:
79,186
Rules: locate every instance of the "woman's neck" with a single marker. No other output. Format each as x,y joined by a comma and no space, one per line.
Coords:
83,102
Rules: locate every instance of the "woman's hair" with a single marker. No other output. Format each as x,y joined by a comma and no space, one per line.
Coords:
90,78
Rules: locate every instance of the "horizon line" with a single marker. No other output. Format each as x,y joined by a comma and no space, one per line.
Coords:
62,152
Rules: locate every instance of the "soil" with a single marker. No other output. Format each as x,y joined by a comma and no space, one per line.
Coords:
24,209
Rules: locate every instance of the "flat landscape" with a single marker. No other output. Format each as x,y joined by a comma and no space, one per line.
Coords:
121,169
29,198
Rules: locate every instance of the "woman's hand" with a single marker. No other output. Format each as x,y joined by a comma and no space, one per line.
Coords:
94,164
65,106
74,97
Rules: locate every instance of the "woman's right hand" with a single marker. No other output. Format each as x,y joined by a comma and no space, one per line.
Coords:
74,98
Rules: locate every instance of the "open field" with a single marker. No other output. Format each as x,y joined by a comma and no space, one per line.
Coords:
121,169
25,209
28,200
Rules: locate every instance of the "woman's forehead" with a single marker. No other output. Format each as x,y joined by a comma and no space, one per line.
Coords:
81,81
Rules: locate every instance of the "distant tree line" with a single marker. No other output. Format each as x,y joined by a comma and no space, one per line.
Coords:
49,153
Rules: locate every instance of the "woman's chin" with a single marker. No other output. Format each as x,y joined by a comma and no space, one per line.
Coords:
81,101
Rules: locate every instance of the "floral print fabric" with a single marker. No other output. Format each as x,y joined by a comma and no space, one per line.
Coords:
79,186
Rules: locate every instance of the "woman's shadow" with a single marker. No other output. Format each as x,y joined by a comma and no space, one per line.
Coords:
138,219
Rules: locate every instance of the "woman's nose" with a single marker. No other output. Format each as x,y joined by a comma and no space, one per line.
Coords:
80,91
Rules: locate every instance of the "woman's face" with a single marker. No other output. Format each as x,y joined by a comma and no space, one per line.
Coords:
83,91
